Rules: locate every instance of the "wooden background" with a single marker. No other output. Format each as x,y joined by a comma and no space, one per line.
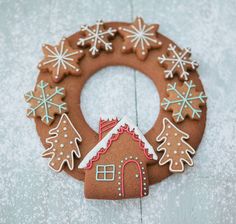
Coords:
31,193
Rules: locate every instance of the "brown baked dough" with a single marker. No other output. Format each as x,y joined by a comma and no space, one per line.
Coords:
150,67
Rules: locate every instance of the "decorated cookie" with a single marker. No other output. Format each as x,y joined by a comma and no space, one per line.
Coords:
64,145
45,102
177,62
96,37
184,101
117,166
176,150
139,38
60,60
117,161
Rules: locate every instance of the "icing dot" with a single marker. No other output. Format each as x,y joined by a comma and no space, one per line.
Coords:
182,152
136,175
130,157
179,144
119,194
176,163
80,51
77,70
64,128
179,103
124,47
102,36
126,158
118,183
144,178
61,153
144,188
40,65
67,156
145,193
119,166
119,177
99,41
183,93
143,172
167,155
143,53
160,43
49,106
54,150
144,184
118,188
94,31
71,142
136,157
190,94
61,145
185,106
172,62
119,172
38,101
167,134
169,126
65,135
52,164
58,158
56,141
178,66
140,162
168,143
120,28
176,134
121,161
57,131
142,168
175,152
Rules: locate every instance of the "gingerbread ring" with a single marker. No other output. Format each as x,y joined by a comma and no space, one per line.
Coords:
74,147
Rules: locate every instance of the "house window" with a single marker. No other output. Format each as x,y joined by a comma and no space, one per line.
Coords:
105,172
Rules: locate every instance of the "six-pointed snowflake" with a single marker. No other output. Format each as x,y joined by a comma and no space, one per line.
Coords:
45,102
177,62
60,60
139,38
184,101
97,37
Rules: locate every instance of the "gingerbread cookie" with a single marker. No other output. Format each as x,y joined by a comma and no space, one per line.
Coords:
60,60
119,161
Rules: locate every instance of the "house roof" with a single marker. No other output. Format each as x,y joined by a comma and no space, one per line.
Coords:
103,143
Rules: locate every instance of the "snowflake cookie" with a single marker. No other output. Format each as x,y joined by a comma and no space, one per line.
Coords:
177,62
64,145
139,38
45,102
184,101
176,149
96,37
60,60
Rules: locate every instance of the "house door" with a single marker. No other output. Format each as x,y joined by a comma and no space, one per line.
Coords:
131,179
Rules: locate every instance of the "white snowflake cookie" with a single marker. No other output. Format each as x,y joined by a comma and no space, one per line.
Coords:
177,62
96,37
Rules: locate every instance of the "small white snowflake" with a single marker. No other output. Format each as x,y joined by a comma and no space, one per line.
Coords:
96,37
177,62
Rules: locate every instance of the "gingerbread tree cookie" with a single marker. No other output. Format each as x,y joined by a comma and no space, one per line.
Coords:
60,60
96,37
184,101
177,62
139,38
64,145
45,102
176,150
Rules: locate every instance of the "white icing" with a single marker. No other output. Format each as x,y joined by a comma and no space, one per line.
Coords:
103,142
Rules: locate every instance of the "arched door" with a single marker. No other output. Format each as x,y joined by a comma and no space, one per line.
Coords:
131,179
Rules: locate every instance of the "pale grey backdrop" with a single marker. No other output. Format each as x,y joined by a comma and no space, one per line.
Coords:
31,193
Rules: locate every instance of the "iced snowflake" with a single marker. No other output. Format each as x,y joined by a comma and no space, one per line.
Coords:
184,101
177,62
97,37
139,38
60,60
45,102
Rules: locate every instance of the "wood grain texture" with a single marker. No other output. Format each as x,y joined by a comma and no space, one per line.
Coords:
31,193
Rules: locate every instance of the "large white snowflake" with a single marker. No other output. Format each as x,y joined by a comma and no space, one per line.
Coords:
177,62
96,37
45,102
184,101
139,37
60,60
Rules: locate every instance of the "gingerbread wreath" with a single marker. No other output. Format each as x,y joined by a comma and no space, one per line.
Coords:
119,161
